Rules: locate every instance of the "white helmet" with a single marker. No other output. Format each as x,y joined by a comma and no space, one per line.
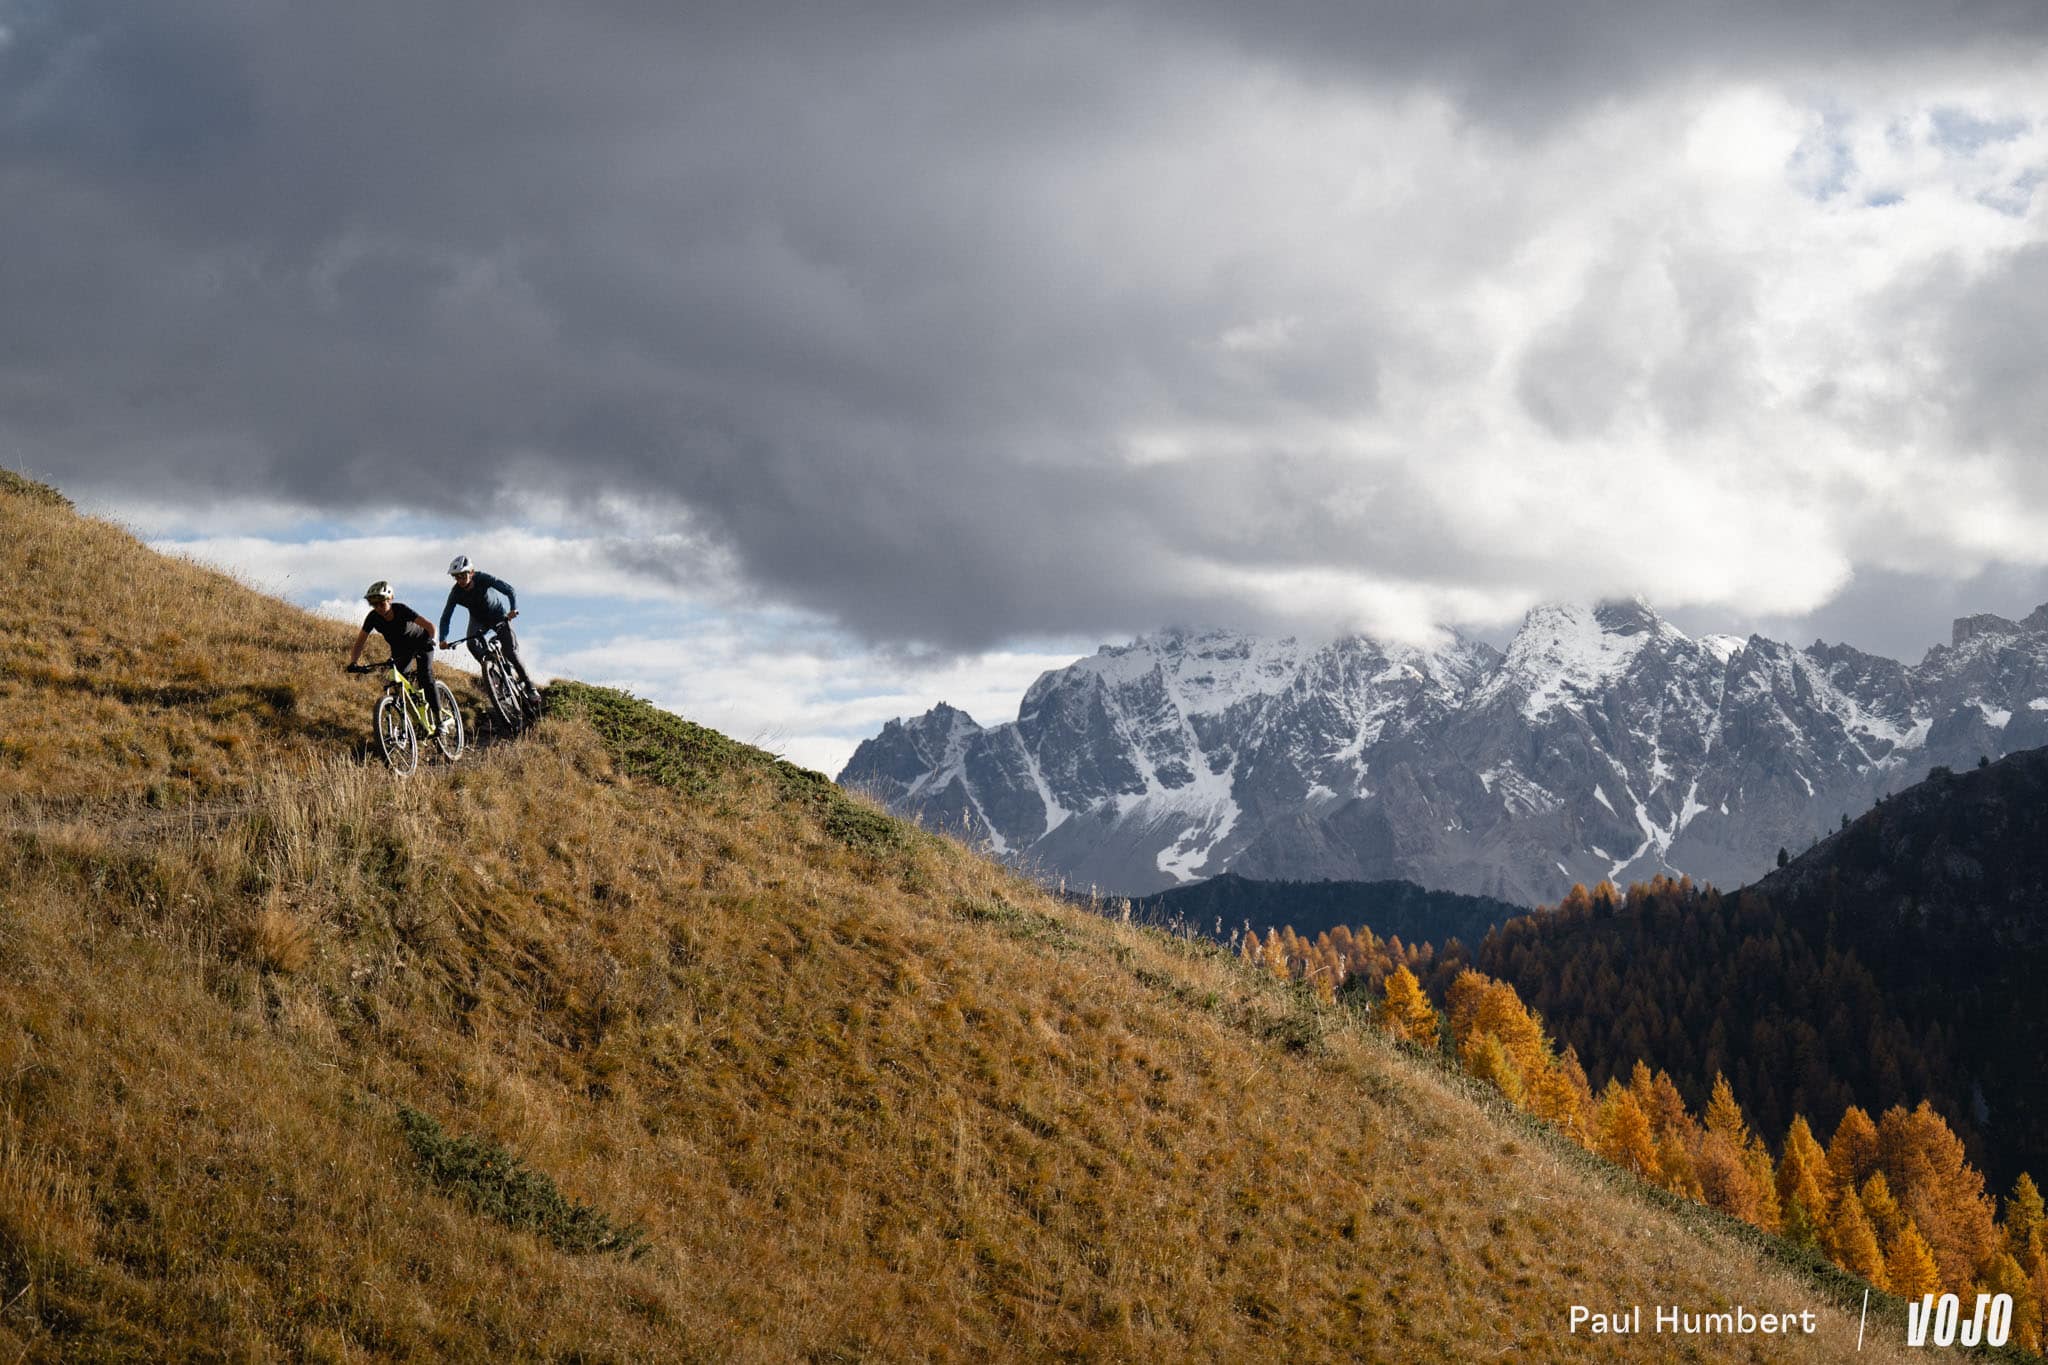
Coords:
379,591
458,566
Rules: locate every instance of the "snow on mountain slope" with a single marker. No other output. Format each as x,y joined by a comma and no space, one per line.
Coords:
1603,743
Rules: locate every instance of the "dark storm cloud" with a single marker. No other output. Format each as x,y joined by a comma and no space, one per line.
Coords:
876,295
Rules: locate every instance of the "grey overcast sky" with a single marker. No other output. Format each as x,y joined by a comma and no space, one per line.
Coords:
954,332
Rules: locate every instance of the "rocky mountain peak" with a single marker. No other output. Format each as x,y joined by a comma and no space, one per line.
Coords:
1627,616
1967,628
1604,743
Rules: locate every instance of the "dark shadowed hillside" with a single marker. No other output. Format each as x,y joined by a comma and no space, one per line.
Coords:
1903,957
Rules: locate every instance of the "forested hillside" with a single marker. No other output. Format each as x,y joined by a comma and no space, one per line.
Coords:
1229,905
1905,957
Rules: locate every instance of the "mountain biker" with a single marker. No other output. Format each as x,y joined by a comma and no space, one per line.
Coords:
411,637
479,592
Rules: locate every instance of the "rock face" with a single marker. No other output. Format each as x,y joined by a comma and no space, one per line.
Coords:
1603,743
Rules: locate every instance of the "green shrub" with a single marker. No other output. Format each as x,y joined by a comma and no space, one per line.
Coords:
664,748
498,1184
23,487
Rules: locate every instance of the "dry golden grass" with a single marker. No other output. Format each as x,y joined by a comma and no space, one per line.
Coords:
124,673
869,1102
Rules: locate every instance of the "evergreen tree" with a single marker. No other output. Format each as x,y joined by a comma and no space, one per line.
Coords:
1852,1243
1678,1134
1725,1180
1488,1060
1803,1179
1275,955
1852,1151
2006,1277
1553,1098
1883,1210
2023,1219
1566,1088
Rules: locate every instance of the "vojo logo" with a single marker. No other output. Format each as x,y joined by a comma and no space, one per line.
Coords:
1991,1324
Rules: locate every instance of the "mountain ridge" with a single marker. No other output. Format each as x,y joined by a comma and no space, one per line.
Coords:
1603,743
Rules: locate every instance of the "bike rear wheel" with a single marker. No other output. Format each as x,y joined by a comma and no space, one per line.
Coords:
396,739
504,693
448,738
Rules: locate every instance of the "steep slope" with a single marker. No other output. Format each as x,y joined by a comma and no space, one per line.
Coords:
1605,744
128,675
282,1071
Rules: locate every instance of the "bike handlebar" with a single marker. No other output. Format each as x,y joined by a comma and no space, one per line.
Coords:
488,632
377,667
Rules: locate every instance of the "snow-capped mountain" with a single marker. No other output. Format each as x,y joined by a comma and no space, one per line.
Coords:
1604,743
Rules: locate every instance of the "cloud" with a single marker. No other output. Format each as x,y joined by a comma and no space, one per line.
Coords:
810,696
954,325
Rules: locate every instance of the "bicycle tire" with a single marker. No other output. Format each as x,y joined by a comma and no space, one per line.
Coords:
504,696
396,738
450,744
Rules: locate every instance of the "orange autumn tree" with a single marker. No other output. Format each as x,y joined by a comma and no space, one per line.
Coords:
1677,1134
1852,1243
1734,1169
1852,1151
1894,1201
1804,1198
1940,1192
1910,1266
1502,1043
1624,1132
1405,1012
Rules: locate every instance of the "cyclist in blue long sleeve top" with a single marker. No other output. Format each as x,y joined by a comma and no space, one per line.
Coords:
491,604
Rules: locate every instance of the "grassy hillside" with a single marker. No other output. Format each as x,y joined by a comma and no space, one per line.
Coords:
629,1042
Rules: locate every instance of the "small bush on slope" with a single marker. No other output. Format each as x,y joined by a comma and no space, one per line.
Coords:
500,1185
688,758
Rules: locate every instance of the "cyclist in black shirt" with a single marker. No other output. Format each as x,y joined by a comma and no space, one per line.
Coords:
479,593
411,637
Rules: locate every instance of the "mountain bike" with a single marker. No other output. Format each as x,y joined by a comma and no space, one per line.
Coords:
402,712
516,702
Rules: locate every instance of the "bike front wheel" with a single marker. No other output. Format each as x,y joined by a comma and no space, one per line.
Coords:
396,739
448,738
